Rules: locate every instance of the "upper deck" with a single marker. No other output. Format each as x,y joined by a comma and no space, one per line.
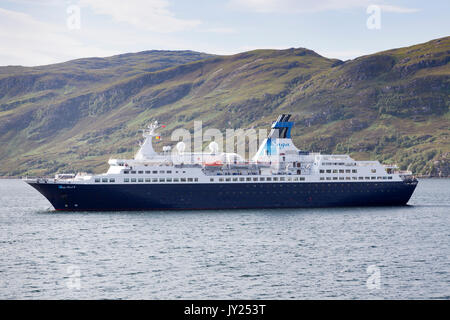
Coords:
277,160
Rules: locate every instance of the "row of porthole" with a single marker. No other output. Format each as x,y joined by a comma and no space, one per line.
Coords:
149,172
260,179
97,180
337,171
356,178
235,179
160,180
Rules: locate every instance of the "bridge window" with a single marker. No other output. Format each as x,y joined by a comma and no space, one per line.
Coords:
112,180
176,179
329,171
104,179
97,179
147,172
133,179
140,172
354,171
322,171
162,180
133,172
126,180
154,179
169,179
141,180
148,180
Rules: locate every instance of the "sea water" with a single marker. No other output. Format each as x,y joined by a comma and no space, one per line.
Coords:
330,253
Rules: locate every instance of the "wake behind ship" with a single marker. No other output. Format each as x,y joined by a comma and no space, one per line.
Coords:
278,176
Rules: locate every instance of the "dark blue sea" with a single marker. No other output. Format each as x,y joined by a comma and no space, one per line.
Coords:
335,253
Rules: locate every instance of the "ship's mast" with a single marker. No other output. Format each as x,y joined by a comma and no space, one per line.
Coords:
146,151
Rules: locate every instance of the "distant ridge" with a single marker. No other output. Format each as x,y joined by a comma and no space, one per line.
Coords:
392,106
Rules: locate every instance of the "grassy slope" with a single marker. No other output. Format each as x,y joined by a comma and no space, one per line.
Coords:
391,106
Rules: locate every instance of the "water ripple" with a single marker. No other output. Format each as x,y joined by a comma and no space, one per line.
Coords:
242,254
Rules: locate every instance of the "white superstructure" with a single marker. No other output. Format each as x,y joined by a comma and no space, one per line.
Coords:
277,160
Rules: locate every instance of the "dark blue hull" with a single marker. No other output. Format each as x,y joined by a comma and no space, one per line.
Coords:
112,197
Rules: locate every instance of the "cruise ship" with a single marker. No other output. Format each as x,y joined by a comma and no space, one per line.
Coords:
279,175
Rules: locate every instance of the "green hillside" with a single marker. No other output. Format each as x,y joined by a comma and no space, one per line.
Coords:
392,106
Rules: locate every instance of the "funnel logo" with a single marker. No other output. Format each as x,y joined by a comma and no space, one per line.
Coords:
283,145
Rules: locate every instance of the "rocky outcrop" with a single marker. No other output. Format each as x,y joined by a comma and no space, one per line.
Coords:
441,167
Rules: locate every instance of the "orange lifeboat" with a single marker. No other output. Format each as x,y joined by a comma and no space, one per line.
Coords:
217,163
